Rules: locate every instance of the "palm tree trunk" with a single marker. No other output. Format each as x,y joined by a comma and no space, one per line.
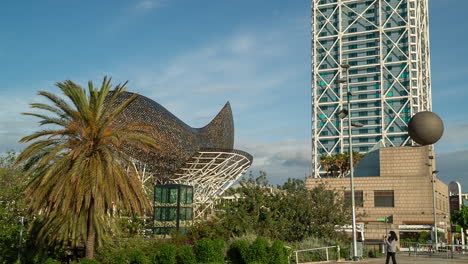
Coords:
91,233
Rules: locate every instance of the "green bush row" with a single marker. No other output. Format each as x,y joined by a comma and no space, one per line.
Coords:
258,252
213,251
144,252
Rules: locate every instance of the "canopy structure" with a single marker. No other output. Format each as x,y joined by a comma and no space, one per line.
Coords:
211,172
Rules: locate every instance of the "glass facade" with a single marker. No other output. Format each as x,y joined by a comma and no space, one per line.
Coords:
173,208
385,43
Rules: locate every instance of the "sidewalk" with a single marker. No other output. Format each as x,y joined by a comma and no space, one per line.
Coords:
402,259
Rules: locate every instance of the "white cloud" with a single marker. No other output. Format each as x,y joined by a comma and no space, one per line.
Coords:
240,68
150,4
14,125
280,159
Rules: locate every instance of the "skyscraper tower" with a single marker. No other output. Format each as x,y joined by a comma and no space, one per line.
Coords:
386,45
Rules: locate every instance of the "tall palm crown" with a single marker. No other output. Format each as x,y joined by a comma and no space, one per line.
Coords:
79,176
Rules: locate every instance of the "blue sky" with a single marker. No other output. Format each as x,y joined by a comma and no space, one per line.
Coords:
193,56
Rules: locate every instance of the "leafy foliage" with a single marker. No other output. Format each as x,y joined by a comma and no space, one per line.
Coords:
137,256
277,254
237,251
258,251
211,229
290,213
118,251
166,254
185,255
88,261
77,166
460,217
337,165
12,183
209,251
51,261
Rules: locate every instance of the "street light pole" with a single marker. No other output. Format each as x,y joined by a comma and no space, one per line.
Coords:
434,207
351,165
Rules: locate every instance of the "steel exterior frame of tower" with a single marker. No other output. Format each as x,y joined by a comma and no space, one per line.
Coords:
386,44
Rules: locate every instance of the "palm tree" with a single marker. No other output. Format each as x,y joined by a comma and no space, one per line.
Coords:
77,168
339,162
326,161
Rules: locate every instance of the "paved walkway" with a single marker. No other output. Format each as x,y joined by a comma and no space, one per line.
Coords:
402,259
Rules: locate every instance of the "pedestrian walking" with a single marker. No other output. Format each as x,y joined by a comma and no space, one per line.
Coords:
391,241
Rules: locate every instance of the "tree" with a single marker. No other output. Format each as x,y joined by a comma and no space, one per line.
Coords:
293,185
337,165
12,183
326,161
78,168
460,217
290,213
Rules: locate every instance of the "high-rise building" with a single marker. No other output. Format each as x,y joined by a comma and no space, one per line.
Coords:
386,45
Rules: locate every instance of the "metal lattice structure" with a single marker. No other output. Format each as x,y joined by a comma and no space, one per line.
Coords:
386,44
202,157
211,172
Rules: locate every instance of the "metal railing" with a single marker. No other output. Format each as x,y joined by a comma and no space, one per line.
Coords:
315,249
441,250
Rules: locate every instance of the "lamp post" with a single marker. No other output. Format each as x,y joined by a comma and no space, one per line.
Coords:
434,207
342,114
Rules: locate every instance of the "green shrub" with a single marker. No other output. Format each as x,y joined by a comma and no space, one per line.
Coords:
119,257
258,251
166,254
208,229
185,255
51,261
137,256
207,250
374,253
237,251
120,252
88,261
277,254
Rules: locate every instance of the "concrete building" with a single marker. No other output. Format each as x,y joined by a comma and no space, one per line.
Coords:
395,183
386,44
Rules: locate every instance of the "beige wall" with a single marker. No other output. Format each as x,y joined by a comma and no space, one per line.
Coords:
407,171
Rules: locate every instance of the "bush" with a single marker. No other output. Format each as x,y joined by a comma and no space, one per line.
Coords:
207,250
88,261
137,256
125,256
374,253
51,261
208,229
237,251
119,257
166,254
278,253
185,255
258,251
121,252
